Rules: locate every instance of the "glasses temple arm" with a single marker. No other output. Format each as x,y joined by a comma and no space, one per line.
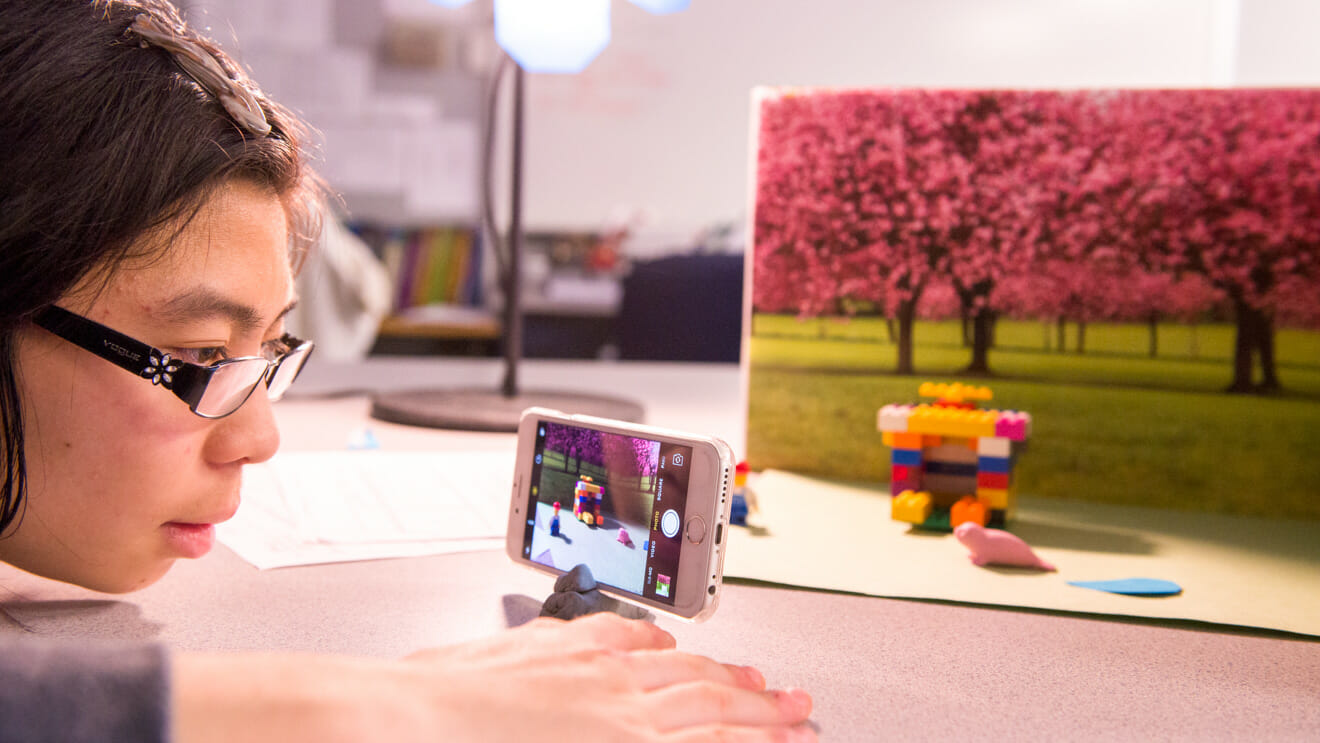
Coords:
109,344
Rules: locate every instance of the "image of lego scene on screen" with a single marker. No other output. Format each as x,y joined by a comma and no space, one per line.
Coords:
612,502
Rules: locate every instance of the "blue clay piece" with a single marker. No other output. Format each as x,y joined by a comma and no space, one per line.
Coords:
1132,586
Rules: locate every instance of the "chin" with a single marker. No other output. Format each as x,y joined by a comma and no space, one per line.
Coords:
120,583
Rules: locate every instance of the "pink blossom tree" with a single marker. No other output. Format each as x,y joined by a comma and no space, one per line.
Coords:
1237,201
856,191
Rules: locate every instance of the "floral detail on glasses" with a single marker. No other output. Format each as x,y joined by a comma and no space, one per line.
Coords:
161,369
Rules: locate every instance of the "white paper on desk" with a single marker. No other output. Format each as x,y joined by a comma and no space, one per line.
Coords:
302,508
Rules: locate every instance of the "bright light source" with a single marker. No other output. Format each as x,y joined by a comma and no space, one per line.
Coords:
450,3
553,35
661,7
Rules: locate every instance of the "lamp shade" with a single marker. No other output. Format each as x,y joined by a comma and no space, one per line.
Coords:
560,36
661,7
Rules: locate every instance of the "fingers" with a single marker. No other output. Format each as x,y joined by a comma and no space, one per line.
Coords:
706,703
654,669
795,734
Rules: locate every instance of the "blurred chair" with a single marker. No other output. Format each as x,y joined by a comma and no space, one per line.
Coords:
682,308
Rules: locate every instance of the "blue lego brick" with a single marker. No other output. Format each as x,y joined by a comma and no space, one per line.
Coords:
957,469
994,464
907,457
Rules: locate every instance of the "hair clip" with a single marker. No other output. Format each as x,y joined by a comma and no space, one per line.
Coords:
203,67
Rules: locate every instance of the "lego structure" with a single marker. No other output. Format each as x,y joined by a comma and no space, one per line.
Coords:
587,496
952,462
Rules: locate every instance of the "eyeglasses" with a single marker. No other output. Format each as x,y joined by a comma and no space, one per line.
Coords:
212,391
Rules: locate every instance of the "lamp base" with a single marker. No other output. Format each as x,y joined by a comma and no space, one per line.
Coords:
489,410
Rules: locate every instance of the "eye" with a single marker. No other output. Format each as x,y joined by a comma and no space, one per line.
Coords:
201,356
274,348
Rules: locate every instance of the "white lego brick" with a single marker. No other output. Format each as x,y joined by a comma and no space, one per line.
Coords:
994,446
893,418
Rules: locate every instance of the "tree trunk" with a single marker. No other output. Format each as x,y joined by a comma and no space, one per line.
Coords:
1063,334
1269,379
1255,340
907,311
1154,325
982,329
1081,336
967,323
889,326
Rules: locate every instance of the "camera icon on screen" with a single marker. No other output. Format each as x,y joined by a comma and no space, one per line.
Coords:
678,460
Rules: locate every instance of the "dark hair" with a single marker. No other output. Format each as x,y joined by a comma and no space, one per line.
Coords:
102,140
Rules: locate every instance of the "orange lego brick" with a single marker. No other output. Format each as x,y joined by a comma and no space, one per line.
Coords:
967,509
907,441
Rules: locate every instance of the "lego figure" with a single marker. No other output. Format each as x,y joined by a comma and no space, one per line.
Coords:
586,501
738,509
554,521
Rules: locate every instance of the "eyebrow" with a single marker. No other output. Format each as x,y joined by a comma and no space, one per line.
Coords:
203,304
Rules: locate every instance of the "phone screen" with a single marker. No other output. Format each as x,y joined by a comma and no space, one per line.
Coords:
612,502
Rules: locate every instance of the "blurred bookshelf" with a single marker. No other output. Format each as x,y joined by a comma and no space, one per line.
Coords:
439,303
442,297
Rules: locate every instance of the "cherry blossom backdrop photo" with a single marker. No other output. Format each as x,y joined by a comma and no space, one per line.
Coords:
1139,269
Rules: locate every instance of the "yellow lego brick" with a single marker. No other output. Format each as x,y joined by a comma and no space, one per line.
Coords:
956,392
952,421
911,507
996,497
888,438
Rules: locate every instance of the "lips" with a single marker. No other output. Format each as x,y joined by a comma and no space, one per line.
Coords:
192,539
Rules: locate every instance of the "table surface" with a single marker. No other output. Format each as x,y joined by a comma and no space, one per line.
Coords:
877,667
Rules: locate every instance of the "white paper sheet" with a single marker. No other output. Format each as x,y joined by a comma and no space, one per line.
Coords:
303,508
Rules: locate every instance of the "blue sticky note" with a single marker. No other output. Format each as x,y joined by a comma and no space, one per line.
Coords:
1132,586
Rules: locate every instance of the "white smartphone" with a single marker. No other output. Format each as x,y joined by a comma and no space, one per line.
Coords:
647,509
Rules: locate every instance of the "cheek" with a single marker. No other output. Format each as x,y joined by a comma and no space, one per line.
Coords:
102,425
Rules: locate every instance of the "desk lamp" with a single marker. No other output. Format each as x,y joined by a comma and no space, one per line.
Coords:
545,36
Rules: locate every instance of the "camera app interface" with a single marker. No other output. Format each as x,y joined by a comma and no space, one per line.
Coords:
612,502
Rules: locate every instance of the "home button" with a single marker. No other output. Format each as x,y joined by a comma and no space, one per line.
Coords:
696,529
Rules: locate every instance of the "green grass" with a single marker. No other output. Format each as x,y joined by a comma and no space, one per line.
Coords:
862,345
1208,343
1111,427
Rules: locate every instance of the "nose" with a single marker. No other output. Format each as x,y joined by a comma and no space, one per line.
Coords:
246,436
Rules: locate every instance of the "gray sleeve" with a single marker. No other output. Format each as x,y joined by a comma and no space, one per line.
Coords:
73,691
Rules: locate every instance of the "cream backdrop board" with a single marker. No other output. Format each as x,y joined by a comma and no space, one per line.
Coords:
1253,572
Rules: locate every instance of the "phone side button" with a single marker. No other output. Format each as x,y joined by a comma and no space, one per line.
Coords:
719,532
696,529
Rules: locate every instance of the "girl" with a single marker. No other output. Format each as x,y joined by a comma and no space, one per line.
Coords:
153,208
